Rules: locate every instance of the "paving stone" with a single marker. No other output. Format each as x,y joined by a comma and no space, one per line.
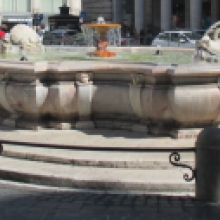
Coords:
48,206
140,200
152,201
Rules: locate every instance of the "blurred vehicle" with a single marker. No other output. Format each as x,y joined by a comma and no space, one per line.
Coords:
199,33
176,39
59,33
127,41
77,40
63,37
64,34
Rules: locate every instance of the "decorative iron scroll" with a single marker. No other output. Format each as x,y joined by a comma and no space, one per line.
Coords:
175,159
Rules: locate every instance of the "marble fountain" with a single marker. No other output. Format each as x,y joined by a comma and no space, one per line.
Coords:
139,96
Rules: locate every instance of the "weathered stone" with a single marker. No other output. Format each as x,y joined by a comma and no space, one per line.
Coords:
61,125
182,97
184,133
208,48
105,124
85,125
140,128
17,40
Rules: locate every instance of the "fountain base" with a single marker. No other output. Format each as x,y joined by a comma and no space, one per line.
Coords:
102,53
101,48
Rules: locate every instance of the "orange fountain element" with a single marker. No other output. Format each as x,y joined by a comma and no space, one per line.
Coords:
101,45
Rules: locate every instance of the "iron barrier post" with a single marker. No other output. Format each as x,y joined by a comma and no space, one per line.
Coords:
208,165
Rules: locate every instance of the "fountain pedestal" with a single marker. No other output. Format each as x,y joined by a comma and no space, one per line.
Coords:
101,44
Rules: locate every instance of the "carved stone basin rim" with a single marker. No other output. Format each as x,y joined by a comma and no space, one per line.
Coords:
87,94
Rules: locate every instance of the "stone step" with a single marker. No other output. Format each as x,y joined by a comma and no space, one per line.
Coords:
98,138
96,159
99,158
82,177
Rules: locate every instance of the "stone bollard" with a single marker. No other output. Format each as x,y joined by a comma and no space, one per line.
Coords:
208,165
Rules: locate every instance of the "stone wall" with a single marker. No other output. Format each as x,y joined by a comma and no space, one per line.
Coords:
95,9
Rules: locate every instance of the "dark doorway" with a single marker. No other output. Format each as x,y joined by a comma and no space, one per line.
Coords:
206,14
127,17
178,14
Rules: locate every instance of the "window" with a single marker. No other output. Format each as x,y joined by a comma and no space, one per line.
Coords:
183,38
16,6
164,36
193,36
71,33
50,6
174,37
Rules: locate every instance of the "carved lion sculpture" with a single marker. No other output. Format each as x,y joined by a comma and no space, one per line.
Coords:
210,43
25,37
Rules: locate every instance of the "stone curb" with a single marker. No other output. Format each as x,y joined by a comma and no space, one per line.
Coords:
190,195
33,166
155,164
49,180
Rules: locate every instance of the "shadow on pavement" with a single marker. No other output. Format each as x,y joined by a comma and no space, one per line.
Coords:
22,202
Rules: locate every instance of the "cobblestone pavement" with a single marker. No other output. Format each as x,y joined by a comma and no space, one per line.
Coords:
21,202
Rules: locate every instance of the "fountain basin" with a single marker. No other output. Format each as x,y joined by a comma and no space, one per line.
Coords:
88,94
131,54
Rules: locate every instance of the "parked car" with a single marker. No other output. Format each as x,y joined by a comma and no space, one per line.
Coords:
176,39
128,41
59,33
199,33
59,36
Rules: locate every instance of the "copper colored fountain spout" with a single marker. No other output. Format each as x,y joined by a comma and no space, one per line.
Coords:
101,44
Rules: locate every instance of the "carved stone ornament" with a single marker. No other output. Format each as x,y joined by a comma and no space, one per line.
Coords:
29,41
137,79
84,78
209,45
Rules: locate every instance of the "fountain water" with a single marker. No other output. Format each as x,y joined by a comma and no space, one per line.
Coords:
101,34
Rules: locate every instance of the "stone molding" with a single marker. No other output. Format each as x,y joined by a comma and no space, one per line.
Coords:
82,94
84,99
135,90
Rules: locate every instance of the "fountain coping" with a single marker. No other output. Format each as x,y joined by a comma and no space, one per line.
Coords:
102,25
117,71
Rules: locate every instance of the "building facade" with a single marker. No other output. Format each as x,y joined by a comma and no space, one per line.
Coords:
21,11
155,15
